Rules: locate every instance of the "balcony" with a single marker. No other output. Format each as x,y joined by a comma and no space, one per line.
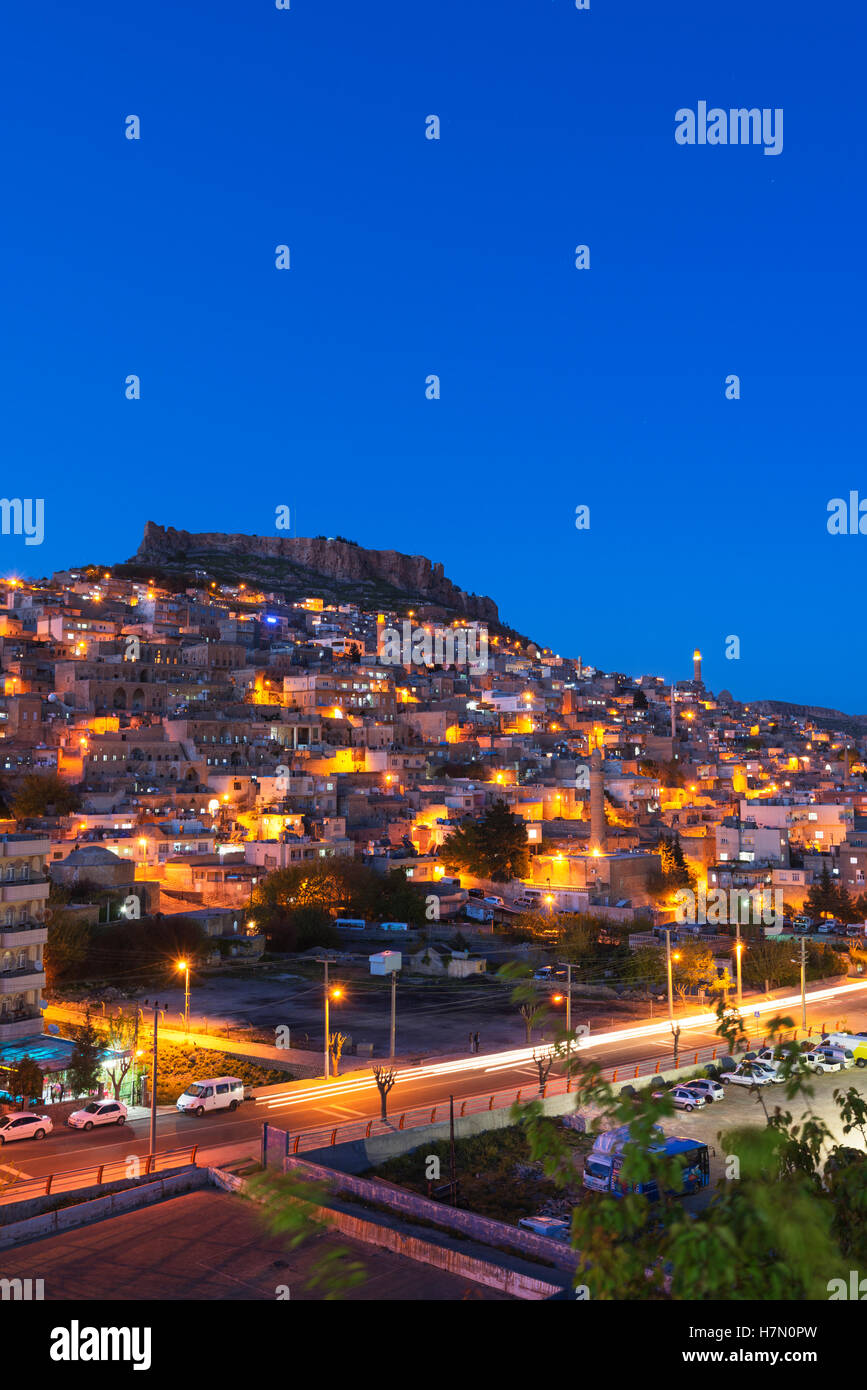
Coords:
16,846
24,934
24,1023
22,890
30,976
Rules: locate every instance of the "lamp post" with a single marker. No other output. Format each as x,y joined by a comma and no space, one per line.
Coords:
668,960
153,1130
335,994
185,966
739,947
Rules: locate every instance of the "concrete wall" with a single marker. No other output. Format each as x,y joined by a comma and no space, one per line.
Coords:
481,1228
359,1155
84,1212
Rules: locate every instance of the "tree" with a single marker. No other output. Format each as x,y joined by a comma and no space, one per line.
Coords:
336,1044
494,846
122,1039
794,1218
534,1016
43,794
384,1078
821,900
693,967
84,1064
26,1080
66,947
543,1064
533,1010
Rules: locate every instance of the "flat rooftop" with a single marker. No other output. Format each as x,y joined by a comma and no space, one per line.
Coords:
210,1246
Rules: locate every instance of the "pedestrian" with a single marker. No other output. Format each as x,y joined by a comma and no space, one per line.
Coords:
472,1043
475,1042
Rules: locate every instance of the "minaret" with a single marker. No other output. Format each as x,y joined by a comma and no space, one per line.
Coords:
673,716
597,803
696,666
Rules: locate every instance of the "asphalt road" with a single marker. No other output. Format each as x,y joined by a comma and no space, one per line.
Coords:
306,1105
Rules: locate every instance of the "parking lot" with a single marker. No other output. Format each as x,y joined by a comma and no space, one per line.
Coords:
742,1106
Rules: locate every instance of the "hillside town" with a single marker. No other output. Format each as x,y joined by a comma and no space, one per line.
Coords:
166,750
400,890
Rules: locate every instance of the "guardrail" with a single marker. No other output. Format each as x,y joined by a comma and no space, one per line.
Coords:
560,1085
95,1175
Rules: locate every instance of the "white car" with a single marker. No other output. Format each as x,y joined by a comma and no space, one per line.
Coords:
749,1074
98,1112
24,1125
821,1061
711,1090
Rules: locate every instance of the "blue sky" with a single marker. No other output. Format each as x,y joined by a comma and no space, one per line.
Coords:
410,257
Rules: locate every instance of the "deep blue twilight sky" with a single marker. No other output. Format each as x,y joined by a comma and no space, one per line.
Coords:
410,257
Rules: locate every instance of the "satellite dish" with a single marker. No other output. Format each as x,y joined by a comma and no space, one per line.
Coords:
54,1029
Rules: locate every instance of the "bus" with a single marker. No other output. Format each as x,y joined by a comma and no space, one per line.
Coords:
605,1160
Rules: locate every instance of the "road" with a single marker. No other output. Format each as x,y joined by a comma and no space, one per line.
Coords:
310,1105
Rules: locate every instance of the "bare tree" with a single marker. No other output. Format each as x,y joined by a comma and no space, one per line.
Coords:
533,1014
384,1078
543,1066
123,1040
336,1044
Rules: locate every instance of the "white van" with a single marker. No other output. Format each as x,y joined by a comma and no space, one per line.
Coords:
218,1093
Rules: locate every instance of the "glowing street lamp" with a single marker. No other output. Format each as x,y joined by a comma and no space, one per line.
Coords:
336,993
185,966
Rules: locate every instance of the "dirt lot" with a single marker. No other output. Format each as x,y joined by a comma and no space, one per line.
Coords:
434,1016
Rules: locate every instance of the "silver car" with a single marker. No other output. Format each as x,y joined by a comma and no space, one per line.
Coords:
704,1086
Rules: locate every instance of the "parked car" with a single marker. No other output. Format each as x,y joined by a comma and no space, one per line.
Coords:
820,1061
20,1125
749,1074
98,1112
766,1057
839,1054
683,1097
704,1086
216,1093
493,901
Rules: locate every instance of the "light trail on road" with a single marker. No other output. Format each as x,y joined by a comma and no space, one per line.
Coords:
516,1058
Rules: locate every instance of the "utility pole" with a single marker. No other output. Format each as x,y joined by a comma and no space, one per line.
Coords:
803,964
153,1135
453,1175
327,1066
667,931
739,946
568,965
393,1011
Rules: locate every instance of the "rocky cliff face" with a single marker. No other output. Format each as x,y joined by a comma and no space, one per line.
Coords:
287,561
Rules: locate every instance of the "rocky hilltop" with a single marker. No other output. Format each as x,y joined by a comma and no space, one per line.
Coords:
311,566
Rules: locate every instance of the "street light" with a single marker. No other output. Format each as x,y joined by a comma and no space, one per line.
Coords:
335,994
185,966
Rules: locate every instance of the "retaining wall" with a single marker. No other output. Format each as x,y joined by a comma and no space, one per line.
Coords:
85,1212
